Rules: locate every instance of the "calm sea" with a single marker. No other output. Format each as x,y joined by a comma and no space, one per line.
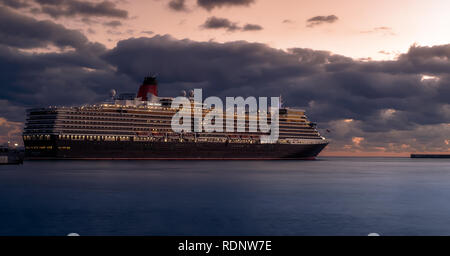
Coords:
330,196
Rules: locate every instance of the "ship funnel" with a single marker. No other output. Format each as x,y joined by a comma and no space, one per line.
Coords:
150,85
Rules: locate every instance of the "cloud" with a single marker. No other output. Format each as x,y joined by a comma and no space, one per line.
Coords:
25,32
113,23
69,8
384,52
148,32
252,27
319,20
223,23
386,31
47,77
211,4
68,72
10,131
420,138
220,23
178,5
116,32
380,97
16,4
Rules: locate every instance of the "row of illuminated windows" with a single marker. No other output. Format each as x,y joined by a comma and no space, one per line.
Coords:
83,131
94,137
39,147
168,116
299,137
119,112
150,119
36,137
124,126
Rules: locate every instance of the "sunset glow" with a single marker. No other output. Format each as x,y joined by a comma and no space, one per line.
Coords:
374,75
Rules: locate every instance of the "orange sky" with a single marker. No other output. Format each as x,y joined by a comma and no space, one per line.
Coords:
355,34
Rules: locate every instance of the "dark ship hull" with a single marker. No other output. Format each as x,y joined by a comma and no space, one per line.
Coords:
123,150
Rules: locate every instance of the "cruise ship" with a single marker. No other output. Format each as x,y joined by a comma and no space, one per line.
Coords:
138,126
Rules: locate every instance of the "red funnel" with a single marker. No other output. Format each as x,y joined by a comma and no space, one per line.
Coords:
150,85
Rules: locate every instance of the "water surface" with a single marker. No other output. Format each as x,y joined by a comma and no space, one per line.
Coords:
330,196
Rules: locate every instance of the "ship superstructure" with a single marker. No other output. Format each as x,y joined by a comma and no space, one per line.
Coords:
132,126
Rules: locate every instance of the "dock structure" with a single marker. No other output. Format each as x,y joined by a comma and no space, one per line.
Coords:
430,155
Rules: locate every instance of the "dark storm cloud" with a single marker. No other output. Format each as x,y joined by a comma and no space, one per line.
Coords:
381,97
47,78
73,75
178,5
211,4
54,78
435,59
318,20
252,27
418,60
25,32
220,23
68,8
16,4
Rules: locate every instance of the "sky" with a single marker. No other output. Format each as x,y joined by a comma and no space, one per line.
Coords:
374,75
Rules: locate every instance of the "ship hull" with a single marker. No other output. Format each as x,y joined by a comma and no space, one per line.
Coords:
124,150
